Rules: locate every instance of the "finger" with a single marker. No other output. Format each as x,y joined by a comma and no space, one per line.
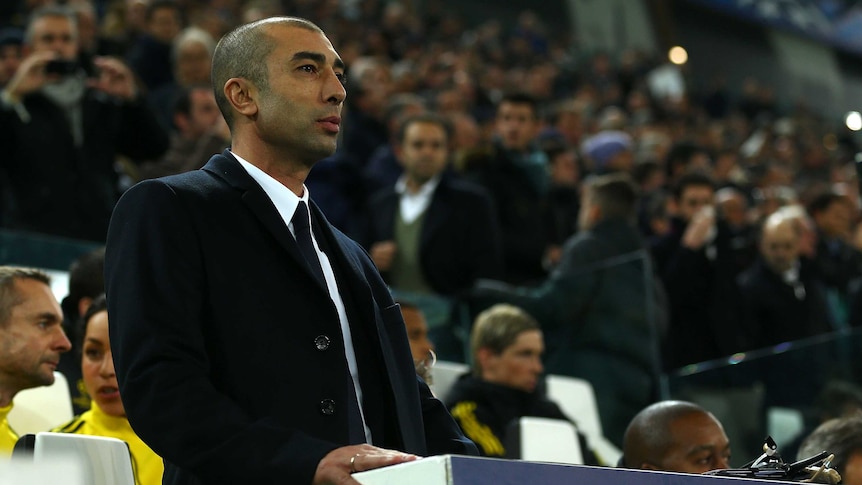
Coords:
363,462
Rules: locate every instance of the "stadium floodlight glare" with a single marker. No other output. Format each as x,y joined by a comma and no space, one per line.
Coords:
853,120
677,55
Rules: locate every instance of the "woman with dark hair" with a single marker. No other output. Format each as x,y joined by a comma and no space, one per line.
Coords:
106,416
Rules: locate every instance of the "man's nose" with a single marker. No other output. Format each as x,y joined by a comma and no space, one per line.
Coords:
62,343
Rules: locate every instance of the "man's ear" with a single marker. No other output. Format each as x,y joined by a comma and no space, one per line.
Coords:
672,206
595,214
242,96
181,121
398,151
483,357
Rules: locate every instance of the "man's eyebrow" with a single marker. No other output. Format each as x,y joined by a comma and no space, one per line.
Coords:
316,57
47,316
698,449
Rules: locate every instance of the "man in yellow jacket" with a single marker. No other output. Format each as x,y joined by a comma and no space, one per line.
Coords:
31,339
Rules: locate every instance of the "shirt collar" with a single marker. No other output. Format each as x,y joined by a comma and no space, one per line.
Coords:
425,191
284,199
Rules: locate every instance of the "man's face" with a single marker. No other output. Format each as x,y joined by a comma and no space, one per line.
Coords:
519,365
204,112
55,34
193,64
694,198
779,246
424,151
699,445
165,24
852,473
835,220
300,113
417,334
516,125
10,59
32,339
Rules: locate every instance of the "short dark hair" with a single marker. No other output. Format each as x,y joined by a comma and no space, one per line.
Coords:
430,118
160,4
840,436
823,201
9,297
87,276
242,52
520,98
615,194
183,100
647,438
681,153
694,179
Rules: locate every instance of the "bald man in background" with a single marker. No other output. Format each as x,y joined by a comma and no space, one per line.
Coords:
675,436
782,299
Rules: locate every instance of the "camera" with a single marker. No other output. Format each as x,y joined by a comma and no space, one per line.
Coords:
61,67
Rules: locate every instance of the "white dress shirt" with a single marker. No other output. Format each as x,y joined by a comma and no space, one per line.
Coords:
413,205
286,203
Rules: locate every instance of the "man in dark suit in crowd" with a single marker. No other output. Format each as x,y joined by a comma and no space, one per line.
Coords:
515,174
433,233
781,295
256,343
600,307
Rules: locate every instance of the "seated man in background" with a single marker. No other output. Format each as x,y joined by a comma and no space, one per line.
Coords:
600,307
107,417
417,336
200,131
507,347
675,436
31,339
843,438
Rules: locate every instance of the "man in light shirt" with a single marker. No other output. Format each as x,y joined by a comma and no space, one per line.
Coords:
432,234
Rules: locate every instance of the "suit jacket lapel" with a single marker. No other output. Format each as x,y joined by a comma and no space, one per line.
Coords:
435,215
226,167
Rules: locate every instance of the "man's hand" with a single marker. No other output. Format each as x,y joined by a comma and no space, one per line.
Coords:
336,467
700,230
115,78
383,253
30,76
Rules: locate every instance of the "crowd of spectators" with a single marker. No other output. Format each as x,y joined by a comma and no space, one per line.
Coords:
532,116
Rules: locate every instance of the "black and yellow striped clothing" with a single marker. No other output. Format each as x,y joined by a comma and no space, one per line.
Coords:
485,410
7,436
147,464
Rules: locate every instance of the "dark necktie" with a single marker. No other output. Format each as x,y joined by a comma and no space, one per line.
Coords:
300,220
306,246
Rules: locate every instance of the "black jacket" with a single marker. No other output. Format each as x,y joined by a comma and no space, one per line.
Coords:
479,406
64,190
459,240
229,353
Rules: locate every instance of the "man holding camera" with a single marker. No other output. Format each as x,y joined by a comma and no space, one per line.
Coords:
62,132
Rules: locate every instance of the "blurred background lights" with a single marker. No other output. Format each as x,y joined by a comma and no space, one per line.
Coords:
677,55
853,120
